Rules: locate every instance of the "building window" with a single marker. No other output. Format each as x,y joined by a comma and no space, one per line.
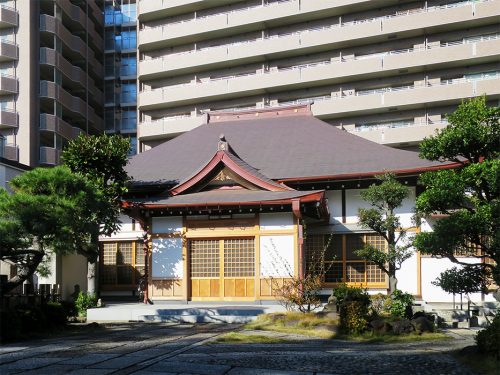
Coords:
129,39
133,146
129,13
128,66
239,257
122,263
340,260
129,93
129,120
204,258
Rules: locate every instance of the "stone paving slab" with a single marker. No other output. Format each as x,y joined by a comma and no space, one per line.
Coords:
89,359
253,371
191,368
154,349
28,364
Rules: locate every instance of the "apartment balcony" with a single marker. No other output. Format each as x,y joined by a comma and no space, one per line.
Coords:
9,151
8,118
51,57
168,127
156,9
238,21
323,73
53,124
8,84
76,13
394,135
72,103
306,41
54,26
8,17
50,156
402,98
8,51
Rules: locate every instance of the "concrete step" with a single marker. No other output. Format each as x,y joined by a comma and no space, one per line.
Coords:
180,313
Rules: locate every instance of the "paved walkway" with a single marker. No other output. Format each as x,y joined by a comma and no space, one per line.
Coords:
159,348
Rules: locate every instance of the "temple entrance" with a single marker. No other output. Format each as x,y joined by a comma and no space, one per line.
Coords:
222,269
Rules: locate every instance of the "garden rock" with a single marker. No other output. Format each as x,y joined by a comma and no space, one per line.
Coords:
380,326
421,324
401,326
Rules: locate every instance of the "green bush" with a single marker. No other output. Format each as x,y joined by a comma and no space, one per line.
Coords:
380,304
85,301
400,305
488,339
353,309
339,292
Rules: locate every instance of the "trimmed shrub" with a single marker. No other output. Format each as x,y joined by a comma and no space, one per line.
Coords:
85,301
488,339
354,310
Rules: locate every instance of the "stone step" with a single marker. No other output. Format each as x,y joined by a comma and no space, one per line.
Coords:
197,318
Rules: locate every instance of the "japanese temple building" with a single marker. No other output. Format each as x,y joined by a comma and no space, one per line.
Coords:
237,206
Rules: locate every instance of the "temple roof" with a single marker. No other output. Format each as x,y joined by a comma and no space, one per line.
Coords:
276,148
232,197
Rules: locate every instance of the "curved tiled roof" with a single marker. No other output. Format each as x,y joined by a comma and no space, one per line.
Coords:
279,148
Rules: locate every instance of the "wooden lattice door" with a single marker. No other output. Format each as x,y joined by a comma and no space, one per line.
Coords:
222,269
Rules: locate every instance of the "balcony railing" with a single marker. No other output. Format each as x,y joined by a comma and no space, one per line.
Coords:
396,124
163,28
379,55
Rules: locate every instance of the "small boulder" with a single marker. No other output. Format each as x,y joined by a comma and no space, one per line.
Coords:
421,324
380,326
401,326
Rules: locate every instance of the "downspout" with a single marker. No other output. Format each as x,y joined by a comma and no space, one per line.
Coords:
298,215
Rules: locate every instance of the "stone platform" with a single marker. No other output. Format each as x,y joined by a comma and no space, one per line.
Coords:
181,312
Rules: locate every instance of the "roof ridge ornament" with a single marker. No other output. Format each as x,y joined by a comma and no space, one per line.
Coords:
222,145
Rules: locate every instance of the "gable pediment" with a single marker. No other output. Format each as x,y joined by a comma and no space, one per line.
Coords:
226,170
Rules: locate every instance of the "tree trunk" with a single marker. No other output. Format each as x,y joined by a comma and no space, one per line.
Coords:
393,284
91,277
24,272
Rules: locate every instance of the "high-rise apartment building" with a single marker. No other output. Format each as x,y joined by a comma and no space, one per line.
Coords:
386,70
120,69
51,83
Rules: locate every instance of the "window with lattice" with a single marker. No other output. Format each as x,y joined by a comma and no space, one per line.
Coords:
239,257
205,258
119,265
341,263
324,256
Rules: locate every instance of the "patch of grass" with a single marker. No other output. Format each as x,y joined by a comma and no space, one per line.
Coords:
296,323
369,337
243,338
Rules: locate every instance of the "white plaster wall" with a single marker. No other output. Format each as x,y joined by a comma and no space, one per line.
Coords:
407,209
354,202
334,205
408,274
167,258
167,224
431,269
74,271
126,232
52,278
277,256
277,221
